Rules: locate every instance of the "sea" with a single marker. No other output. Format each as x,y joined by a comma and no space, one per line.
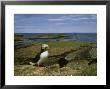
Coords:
30,38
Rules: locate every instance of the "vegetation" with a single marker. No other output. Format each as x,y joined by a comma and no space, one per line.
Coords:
77,67
18,38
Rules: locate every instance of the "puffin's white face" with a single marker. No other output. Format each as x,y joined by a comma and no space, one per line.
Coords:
45,46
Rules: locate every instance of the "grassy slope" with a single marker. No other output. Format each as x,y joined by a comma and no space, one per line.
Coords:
75,68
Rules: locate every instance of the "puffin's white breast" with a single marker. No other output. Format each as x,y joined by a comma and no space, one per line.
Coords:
43,57
44,54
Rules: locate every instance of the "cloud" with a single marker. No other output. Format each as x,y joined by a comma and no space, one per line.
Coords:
25,26
74,17
44,22
58,19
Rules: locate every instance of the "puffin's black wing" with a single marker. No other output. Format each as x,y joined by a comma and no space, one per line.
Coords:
33,60
37,57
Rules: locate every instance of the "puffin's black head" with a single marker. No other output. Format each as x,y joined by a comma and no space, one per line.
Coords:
44,47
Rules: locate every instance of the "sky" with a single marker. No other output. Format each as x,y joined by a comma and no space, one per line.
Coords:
55,23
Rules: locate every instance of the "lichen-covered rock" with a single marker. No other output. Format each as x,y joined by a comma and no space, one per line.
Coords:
87,53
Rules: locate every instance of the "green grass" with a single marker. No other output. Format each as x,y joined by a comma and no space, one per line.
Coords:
78,68
75,68
18,38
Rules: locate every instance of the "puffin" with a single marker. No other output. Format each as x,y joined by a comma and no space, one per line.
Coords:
42,57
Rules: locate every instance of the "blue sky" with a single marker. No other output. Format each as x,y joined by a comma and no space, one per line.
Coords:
55,23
